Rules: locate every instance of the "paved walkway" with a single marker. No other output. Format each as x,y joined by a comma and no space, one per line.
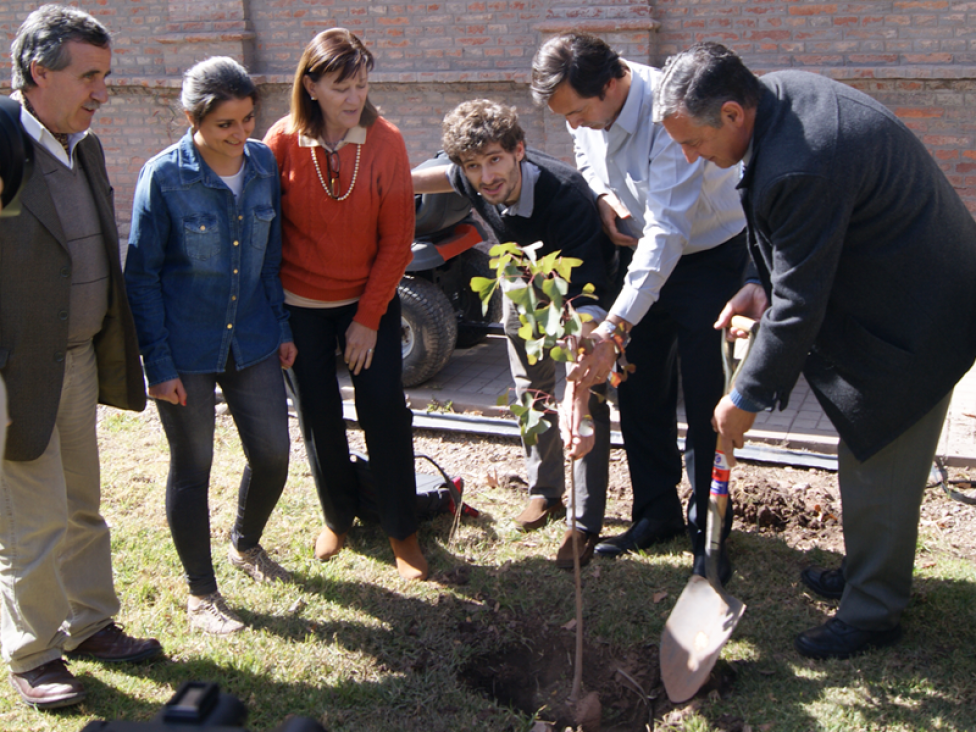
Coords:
474,378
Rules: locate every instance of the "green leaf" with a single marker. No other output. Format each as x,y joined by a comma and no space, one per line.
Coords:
566,265
548,262
480,284
534,427
550,288
563,355
588,288
502,401
506,248
533,349
520,296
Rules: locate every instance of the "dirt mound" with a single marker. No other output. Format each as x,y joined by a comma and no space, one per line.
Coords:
772,506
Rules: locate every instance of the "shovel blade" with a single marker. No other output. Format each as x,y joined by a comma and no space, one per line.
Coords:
699,625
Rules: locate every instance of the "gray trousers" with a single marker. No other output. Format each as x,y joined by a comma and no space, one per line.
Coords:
56,585
881,500
545,460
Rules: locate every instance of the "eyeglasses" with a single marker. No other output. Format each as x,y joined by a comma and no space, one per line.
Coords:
333,164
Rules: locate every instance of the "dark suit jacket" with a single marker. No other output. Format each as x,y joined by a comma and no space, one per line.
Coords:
868,256
35,285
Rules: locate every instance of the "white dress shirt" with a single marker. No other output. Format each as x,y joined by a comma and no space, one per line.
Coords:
677,208
43,136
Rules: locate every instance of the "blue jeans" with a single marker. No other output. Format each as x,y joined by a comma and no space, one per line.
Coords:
380,406
256,399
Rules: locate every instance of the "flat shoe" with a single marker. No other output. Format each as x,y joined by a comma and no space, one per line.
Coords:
409,559
328,544
587,541
641,535
112,644
827,583
48,686
837,639
538,512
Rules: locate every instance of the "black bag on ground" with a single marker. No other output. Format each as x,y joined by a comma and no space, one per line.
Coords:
436,494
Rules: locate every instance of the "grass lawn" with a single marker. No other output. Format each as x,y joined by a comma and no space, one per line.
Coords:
355,647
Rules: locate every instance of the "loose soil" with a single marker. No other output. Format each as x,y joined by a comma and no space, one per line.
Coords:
800,507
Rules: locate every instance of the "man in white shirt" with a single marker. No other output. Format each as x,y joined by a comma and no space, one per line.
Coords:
67,342
683,226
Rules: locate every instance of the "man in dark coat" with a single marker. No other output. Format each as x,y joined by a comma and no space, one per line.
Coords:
526,197
67,342
867,259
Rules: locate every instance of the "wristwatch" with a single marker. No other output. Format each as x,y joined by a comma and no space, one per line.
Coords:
615,333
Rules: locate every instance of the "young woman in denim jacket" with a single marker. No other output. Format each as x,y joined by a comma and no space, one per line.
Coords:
202,278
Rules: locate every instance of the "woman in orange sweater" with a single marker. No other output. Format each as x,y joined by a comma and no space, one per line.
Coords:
347,225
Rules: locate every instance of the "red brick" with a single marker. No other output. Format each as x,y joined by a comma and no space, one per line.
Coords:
806,9
918,112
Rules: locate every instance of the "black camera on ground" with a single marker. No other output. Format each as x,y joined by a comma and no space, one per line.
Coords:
202,705
16,156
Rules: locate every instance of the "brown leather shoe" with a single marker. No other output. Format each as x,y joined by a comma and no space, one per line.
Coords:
586,542
112,645
538,512
328,544
48,686
409,559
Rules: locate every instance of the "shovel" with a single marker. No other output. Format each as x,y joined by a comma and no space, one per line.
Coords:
705,615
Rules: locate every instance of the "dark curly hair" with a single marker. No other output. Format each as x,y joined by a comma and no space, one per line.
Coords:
472,126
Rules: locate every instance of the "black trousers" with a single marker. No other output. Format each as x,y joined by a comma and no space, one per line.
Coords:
678,324
380,405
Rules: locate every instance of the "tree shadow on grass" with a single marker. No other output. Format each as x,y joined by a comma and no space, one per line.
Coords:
416,653
351,704
923,682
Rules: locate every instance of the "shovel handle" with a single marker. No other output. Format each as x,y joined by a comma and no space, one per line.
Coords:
743,323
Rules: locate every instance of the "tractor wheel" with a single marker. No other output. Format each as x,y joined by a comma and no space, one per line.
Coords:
428,329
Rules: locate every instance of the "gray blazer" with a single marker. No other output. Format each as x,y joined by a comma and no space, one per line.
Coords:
868,256
35,286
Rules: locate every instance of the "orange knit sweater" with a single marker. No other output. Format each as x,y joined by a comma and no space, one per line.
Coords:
359,247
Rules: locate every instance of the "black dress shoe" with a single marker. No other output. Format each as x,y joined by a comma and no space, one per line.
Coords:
724,567
640,535
827,583
837,639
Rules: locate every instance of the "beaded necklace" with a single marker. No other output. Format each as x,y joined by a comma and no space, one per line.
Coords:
334,177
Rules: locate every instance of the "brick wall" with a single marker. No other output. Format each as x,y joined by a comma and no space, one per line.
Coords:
917,57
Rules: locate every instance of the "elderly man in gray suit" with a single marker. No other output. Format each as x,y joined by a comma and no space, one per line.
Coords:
67,342
867,259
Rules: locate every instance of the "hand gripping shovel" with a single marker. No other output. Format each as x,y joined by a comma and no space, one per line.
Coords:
705,615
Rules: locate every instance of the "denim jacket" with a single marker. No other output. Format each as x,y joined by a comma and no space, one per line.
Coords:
202,268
